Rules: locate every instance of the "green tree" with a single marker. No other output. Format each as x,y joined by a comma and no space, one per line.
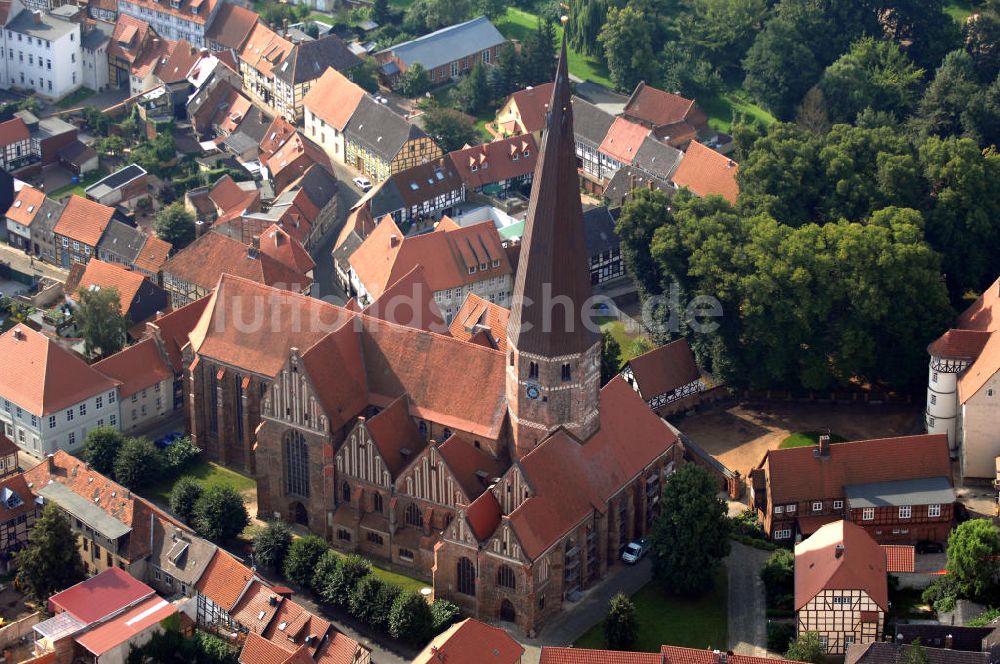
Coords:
175,225
505,76
138,463
184,497
691,535
326,569
586,18
874,74
50,562
538,55
363,601
621,628
611,353
806,648
981,35
410,618
974,559
778,575
924,27
450,129
473,94
301,559
338,589
180,454
381,11
414,82
913,654
445,614
685,72
627,38
812,115
101,447
719,32
270,544
643,212
954,102
365,75
491,9
220,514
101,321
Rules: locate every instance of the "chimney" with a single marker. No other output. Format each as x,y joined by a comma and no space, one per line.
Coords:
949,641
51,460
838,551
36,17
19,335
279,238
824,445
393,240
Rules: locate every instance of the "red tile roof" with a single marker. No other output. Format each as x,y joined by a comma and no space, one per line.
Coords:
664,369
982,370
175,327
393,431
125,627
258,650
137,367
25,205
153,255
623,140
263,49
100,596
277,133
224,580
409,302
101,275
182,59
681,655
13,131
333,98
662,108
18,485
256,608
472,467
84,220
282,247
227,195
478,317
840,556
796,474
532,103
334,366
484,515
42,377
984,313
553,655
500,160
704,171
213,254
231,26
899,558
128,38
959,344
297,155
473,642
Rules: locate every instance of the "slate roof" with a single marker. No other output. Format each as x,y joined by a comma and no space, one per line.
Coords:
921,491
448,44
599,225
590,124
891,653
934,635
840,556
308,60
380,129
122,240
657,159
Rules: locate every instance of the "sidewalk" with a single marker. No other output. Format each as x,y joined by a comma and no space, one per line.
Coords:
21,262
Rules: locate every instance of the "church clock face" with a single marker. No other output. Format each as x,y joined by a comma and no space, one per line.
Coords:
531,391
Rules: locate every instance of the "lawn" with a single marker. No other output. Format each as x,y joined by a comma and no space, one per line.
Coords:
667,620
77,188
807,439
720,108
626,340
73,100
205,473
321,18
958,9
517,24
401,580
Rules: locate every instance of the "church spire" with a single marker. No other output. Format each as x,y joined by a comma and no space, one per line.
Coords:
553,273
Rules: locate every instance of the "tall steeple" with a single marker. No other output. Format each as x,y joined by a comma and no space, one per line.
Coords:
553,372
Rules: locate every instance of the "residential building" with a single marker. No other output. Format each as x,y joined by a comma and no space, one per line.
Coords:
841,586
79,229
898,489
103,10
444,54
20,215
48,136
963,385
359,224
499,168
194,271
178,558
482,322
328,106
146,380
94,43
263,50
419,196
379,142
223,582
174,19
120,244
292,159
667,378
524,111
230,28
121,187
139,298
51,398
306,209
652,167
707,172
134,45
603,245
672,118
591,126
43,52
896,653
151,257
667,655
15,144
472,641
101,619
43,242
8,456
295,75
951,637
18,512
457,260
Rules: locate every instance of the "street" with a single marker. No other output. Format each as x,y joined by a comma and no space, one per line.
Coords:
325,285
747,604
21,262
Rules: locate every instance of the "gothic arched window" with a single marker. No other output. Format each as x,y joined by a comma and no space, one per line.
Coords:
297,464
466,577
505,577
345,492
413,516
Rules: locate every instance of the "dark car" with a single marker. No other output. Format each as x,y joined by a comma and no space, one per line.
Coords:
928,546
169,439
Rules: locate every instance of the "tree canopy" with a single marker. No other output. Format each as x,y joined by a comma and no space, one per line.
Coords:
974,559
101,321
220,514
50,562
174,224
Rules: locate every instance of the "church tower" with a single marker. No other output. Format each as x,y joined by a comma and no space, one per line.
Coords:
554,360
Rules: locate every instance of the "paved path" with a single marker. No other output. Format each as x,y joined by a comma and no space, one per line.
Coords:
747,605
22,262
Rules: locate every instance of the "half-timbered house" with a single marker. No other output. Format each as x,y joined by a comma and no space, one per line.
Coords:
667,378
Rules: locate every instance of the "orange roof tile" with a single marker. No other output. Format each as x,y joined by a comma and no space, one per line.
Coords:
981,371
959,344
13,131
101,275
473,642
473,468
623,140
231,26
224,580
175,327
279,131
256,608
899,558
182,59
409,302
42,377
137,367
25,205
840,556
552,655
984,313
394,432
704,171
532,103
333,98
484,515
334,367
282,247
796,474
664,369
263,49
658,108
476,316
84,220
503,159
153,255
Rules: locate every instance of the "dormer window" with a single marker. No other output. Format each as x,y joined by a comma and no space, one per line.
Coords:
482,267
474,168
472,269
527,153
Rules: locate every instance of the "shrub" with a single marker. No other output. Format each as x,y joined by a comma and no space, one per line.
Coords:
363,598
303,554
183,498
138,463
180,454
779,635
747,524
325,570
410,617
270,545
445,614
620,627
778,575
352,569
220,514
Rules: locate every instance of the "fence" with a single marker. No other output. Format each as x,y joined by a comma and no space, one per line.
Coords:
16,630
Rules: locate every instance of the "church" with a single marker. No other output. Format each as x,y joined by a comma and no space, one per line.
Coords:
503,472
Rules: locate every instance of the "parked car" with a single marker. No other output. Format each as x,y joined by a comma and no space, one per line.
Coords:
634,551
927,546
169,439
363,183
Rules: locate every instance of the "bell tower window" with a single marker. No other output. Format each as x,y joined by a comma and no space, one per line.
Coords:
566,373
533,370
